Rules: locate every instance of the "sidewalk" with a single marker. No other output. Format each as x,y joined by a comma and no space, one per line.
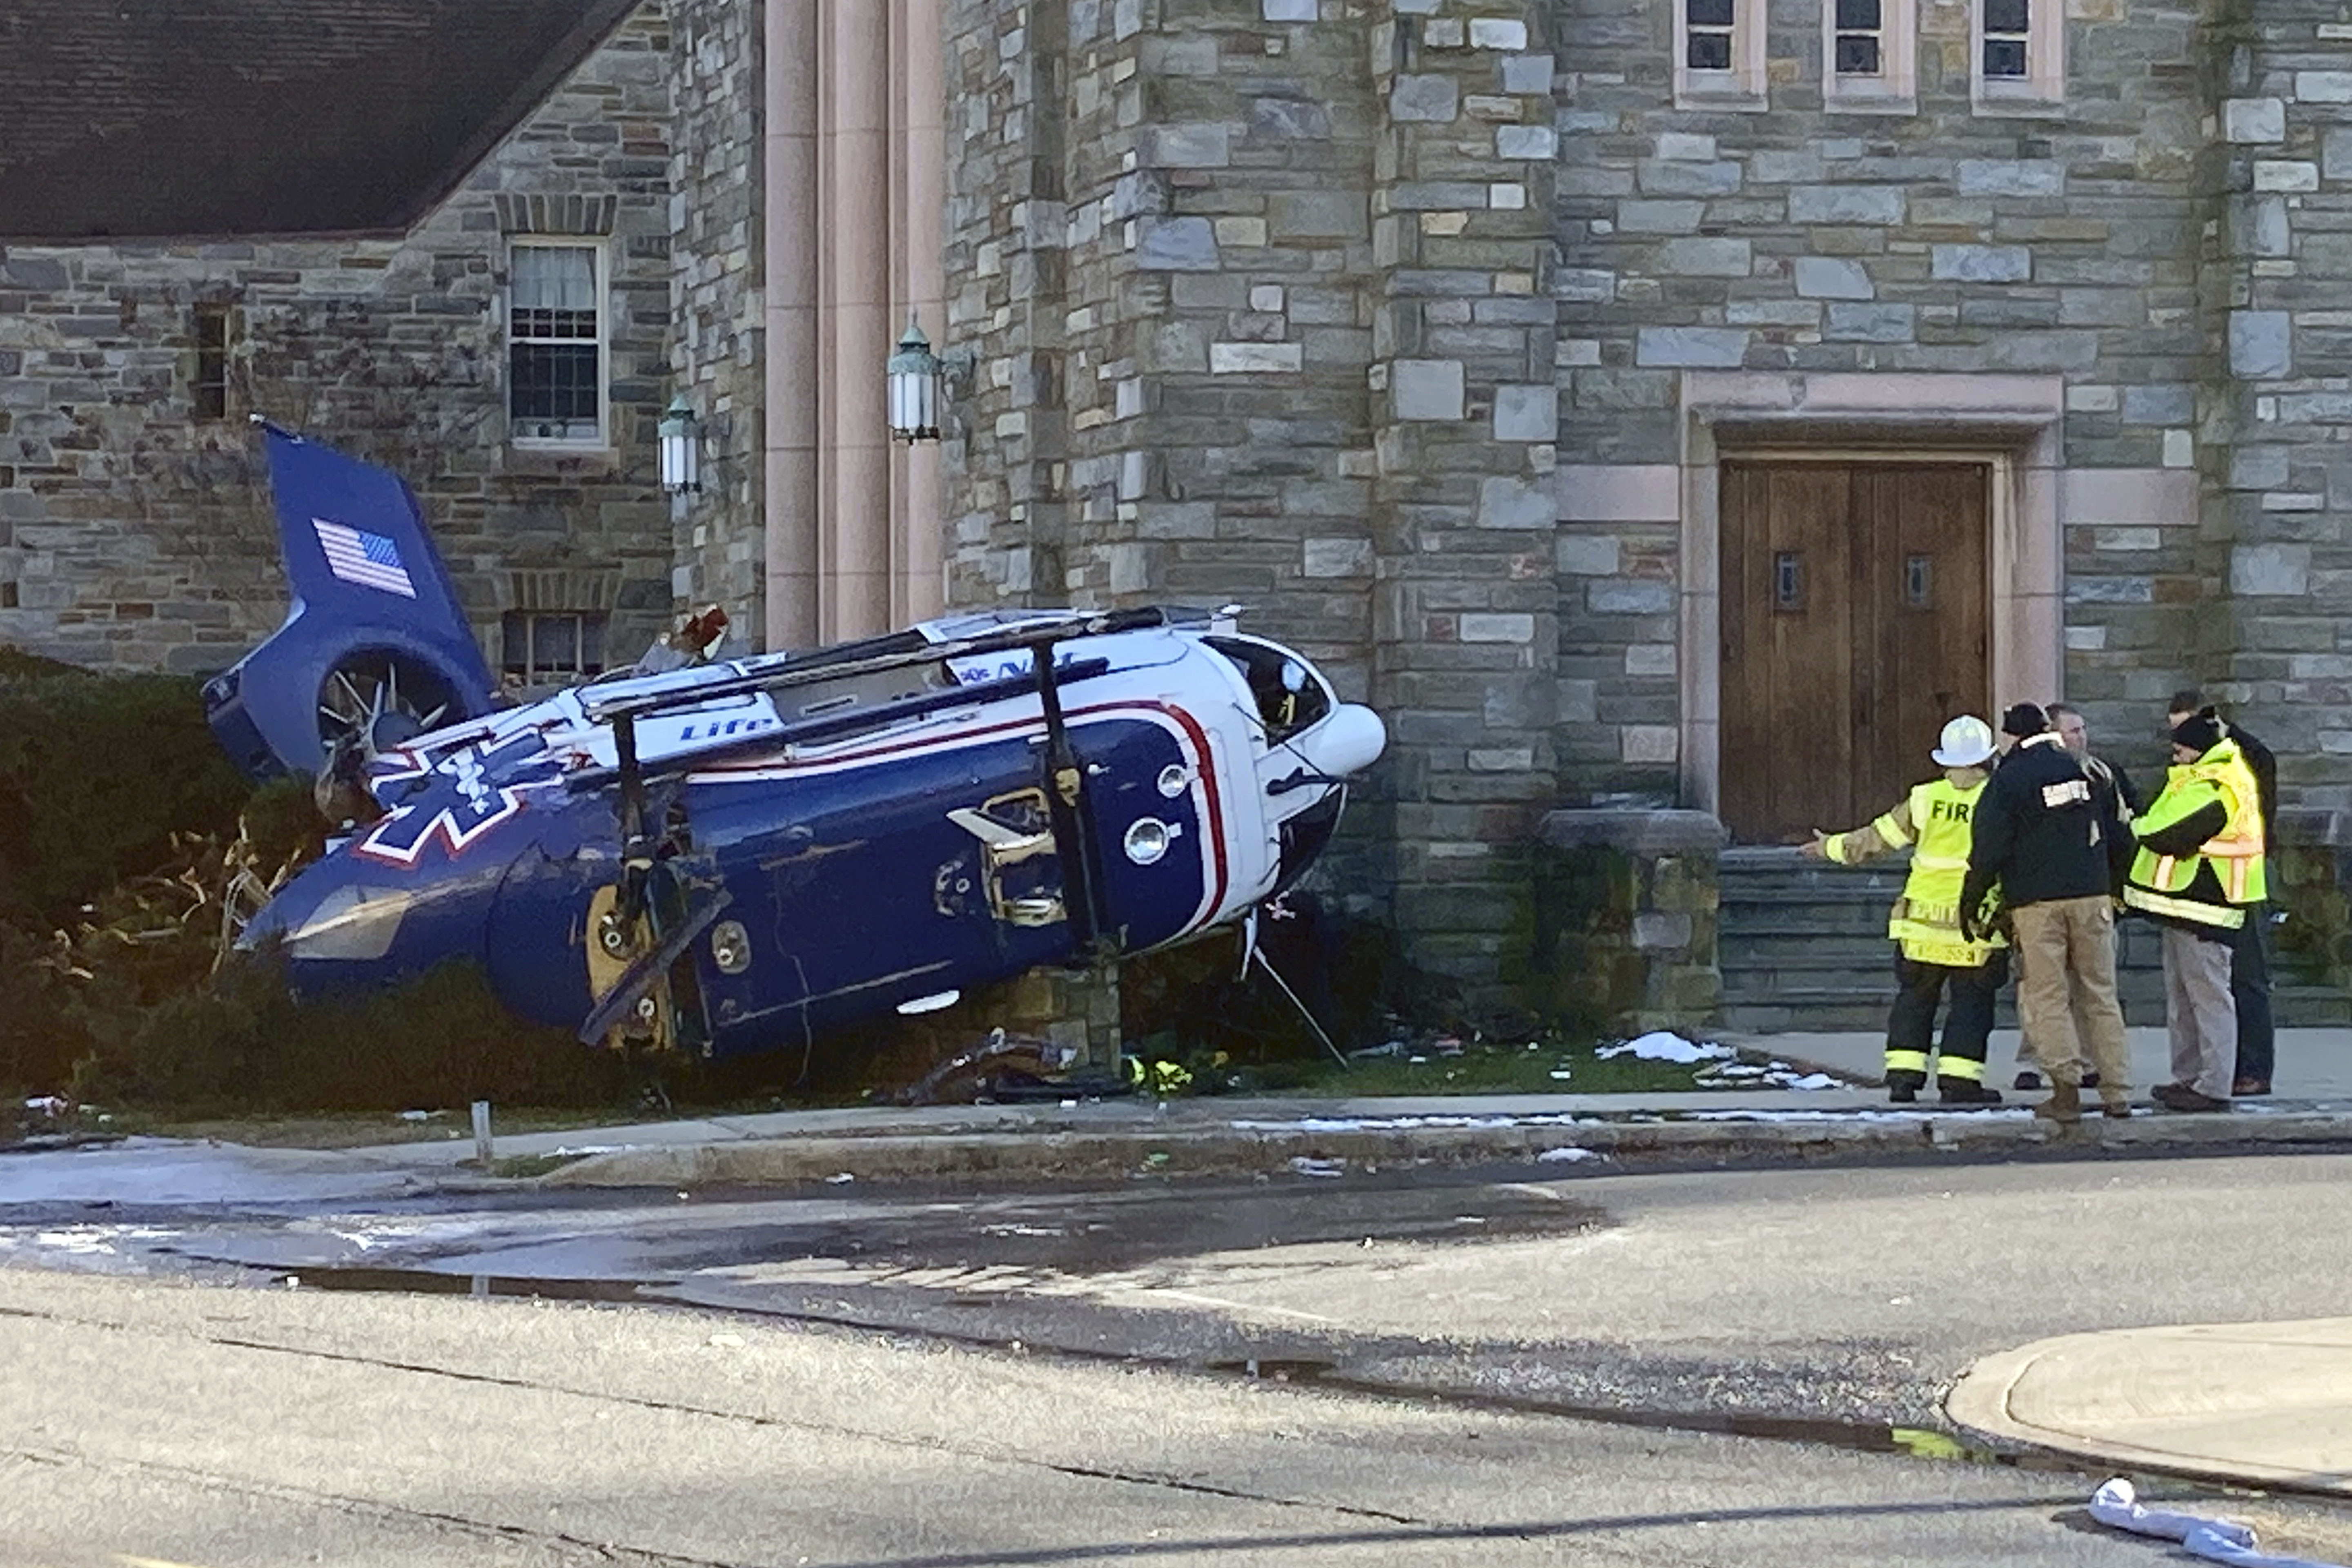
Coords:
2264,1404
1114,1138
2313,1064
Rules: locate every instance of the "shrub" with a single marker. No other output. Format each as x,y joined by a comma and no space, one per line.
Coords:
97,773
241,1042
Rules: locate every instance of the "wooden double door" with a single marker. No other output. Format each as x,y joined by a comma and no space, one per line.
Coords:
1857,617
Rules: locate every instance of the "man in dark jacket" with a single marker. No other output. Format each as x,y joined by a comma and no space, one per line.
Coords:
2042,836
2250,957
2113,792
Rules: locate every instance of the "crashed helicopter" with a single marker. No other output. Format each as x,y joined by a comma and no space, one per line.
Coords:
733,855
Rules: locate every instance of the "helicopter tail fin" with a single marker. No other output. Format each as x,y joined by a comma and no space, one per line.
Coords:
366,584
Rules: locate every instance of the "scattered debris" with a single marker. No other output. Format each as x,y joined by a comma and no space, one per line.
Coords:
1306,1166
2118,1506
840,1179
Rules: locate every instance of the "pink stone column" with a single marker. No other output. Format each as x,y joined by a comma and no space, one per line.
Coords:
790,319
922,140
854,599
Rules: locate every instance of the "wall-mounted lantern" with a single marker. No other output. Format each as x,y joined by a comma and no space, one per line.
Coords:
917,385
681,448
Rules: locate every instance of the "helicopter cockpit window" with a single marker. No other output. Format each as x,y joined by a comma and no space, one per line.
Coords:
1289,698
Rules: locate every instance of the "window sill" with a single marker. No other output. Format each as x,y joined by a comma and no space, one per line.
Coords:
561,460
1723,96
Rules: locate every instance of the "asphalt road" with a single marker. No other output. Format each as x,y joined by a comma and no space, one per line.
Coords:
935,1379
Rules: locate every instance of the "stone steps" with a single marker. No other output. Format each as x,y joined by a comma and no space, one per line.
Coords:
1802,946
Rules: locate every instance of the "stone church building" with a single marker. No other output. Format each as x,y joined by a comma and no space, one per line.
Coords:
1664,412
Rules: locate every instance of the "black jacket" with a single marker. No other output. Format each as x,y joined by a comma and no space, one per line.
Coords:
2041,831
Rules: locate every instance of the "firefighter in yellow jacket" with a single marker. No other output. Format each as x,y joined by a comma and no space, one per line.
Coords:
2201,870
1933,822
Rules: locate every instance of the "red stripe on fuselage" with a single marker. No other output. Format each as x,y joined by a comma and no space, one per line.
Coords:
1199,737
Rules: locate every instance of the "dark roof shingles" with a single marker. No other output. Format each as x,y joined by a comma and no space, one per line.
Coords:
184,119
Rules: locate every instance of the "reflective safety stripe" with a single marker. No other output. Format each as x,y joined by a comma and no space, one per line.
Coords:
1906,1061
1951,954
1966,1069
2221,917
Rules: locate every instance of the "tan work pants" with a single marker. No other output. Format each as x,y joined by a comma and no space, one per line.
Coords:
2066,964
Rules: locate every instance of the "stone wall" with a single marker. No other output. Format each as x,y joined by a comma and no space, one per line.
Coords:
1259,291
2281,479
1946,241
716,238
133,535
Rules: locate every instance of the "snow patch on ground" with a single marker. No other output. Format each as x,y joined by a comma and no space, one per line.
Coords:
1409,1123
1568,1155
1661,1046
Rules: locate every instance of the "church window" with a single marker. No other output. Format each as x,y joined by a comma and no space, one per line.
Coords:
208,386
1719,54
552,647
2020,56
555,344
1871,48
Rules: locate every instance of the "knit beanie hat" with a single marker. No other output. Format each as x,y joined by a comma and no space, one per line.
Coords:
2200,733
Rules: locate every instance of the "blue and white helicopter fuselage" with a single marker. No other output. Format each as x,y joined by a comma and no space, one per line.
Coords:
734,857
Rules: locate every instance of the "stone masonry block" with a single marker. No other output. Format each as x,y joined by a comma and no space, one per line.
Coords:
1871,323
2011,177
2285,175
1529,142
2253,119
1528,74
1587,554
1337,558
1709,258
1427,389
1828,278
1176,245
1291,11
1874,205
1238,359
1431,98
1659,217
1516,503
2261,343
1622,596
1318,215
1981,263
1198,146
1527,413
2172,405
2271,571
1674,177
1697,348
1496,626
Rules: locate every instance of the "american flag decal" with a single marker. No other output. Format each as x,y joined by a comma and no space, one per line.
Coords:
368,558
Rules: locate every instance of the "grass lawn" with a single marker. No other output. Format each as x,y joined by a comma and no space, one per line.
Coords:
1541,1067
1407,1069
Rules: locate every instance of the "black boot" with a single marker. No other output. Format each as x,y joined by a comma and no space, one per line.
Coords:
1952,1090
1903,1087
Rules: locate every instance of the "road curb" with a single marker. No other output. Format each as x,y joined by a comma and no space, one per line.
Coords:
1982,1402
1259,1149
